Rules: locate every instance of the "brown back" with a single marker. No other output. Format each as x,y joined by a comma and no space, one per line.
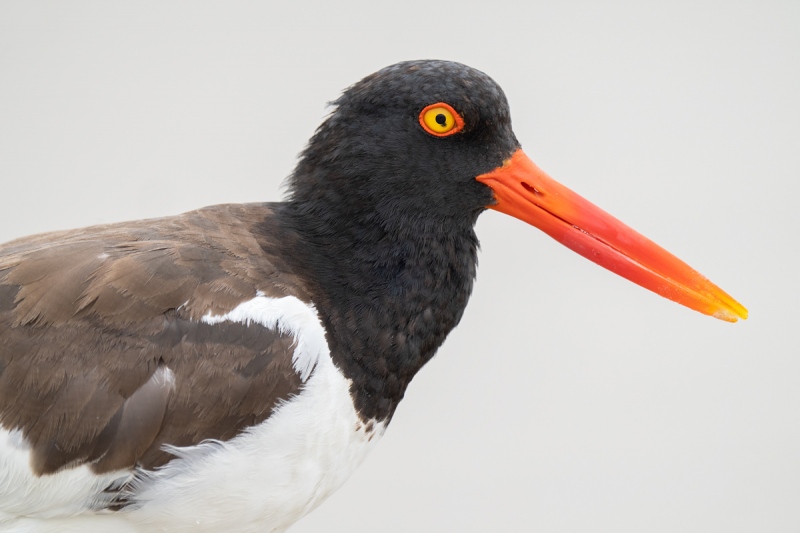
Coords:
91,319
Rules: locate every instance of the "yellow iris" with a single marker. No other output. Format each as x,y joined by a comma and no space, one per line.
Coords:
439,119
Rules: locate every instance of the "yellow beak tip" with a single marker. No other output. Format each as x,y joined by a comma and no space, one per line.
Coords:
730,316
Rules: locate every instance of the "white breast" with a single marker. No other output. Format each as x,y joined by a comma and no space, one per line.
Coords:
269,476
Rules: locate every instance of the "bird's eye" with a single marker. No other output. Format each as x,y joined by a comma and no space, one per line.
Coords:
441,119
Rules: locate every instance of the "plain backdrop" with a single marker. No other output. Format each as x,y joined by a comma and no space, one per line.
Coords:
568,400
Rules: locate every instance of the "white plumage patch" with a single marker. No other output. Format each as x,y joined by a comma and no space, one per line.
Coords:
288,315
22,493
263,480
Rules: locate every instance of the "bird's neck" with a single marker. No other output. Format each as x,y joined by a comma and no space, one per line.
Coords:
388,291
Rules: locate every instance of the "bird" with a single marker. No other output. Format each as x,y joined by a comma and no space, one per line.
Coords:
228,368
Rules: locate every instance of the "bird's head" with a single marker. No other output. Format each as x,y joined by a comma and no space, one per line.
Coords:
408,141
430,143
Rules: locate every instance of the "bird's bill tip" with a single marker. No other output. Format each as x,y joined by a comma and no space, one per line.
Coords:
524,191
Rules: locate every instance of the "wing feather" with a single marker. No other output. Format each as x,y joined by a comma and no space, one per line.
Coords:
103,357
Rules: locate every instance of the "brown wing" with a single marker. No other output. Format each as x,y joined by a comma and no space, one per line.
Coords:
103,357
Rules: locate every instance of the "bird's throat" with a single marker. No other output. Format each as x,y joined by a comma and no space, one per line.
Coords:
389,295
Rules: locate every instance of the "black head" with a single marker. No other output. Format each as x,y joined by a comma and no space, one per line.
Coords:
372,157
379,223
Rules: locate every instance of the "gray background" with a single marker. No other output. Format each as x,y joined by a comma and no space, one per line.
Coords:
568,399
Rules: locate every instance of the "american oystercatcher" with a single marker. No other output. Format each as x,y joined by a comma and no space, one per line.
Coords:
228,368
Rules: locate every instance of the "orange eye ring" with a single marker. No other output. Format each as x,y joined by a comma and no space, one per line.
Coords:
441,120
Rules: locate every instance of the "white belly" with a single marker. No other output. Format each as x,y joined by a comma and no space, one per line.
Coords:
270,476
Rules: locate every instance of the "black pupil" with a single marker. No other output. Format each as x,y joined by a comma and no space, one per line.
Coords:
441,119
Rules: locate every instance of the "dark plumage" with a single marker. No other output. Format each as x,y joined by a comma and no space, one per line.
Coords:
89,317
382,215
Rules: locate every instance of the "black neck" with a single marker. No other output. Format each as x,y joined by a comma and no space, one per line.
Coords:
388,293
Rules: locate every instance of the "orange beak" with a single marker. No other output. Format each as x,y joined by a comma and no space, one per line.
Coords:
525,191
